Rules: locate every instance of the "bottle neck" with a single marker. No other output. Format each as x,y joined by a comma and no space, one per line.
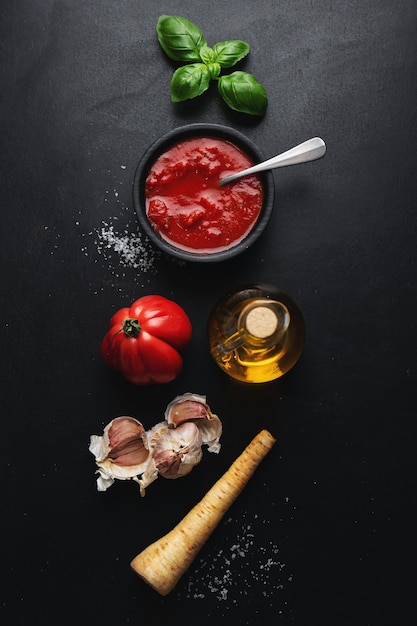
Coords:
262,324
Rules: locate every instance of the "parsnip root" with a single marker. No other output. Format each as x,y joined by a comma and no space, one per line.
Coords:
164,562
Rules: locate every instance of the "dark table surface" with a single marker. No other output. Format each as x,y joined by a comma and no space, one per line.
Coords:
325,531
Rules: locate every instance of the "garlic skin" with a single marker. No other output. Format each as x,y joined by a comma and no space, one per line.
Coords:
123,453
193,407
176,450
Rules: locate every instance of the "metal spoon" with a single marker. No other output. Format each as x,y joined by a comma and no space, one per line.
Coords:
309,150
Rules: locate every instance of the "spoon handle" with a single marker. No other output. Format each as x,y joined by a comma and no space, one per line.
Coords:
309,150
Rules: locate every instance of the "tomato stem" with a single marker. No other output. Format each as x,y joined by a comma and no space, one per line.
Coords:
131,327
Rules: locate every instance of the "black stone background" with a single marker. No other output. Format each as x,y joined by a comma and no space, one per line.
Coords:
325,531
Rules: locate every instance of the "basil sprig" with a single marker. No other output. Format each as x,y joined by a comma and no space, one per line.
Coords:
183,41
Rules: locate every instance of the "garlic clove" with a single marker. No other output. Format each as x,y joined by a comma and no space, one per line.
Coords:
127,442
187,407
176,451
191,406
167,462
123,453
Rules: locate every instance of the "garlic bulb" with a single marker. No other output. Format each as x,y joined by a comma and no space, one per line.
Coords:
170,449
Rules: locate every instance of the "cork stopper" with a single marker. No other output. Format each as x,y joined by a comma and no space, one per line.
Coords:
261,322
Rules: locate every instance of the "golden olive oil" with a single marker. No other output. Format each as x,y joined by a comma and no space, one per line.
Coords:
256,333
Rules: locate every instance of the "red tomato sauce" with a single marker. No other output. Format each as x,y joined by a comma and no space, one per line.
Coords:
186,205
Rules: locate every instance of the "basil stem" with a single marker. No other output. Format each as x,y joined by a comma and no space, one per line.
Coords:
242,92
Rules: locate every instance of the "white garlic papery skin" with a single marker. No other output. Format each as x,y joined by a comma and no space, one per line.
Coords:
176,450
123,453
191,407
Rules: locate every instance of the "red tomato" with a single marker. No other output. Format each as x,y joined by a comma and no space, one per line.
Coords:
143,341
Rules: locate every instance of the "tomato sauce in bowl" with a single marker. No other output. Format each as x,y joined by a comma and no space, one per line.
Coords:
180,204
185,203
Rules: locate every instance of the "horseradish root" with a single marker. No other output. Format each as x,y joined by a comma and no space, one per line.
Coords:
163,563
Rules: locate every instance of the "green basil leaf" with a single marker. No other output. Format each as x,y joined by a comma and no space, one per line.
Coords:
189,81
228,53
242,92
180,39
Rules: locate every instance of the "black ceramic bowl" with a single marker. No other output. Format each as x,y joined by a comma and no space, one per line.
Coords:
162,145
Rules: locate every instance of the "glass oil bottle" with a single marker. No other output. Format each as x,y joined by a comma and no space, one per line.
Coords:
256,333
